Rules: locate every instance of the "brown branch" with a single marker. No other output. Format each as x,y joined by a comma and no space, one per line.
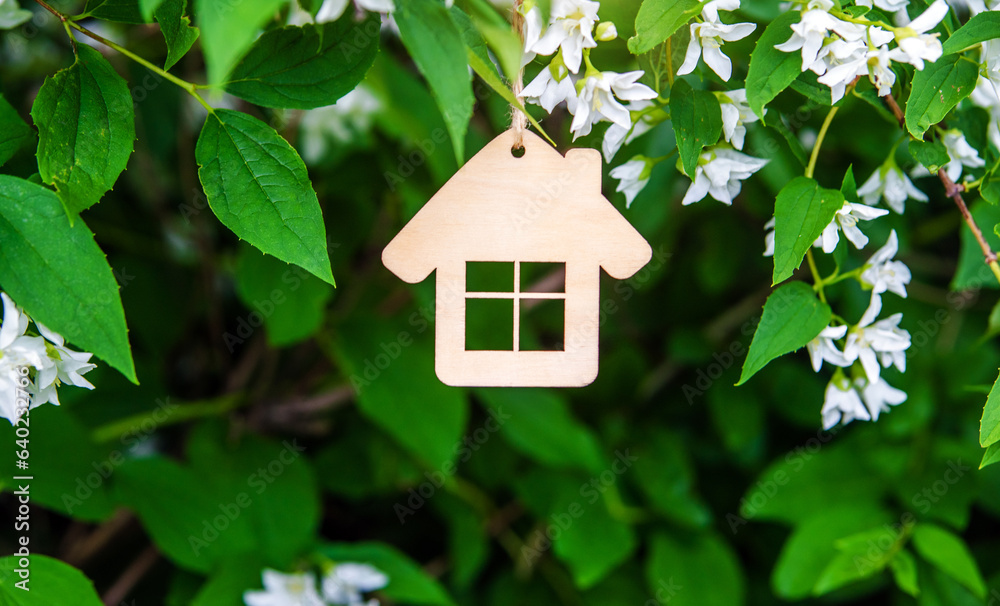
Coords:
132,575
954,191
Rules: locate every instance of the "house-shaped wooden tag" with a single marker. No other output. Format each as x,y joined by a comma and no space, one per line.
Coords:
538,208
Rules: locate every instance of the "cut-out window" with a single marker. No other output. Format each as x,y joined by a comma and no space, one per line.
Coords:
543,324
515,306
489,276
543,277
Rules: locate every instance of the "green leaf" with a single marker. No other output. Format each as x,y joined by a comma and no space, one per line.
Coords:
949,554
932,154
802,211
122,11
175,25
148,7
228,582
432,39
904,572
810,548
591,542
541,426
50,582
228,29
657,20
487,71
696,571
56,272
829,476
972,273
859,557
697,120
665,474
309,66
392,369
771,70
14,133
86,128
12,15
991,456
258,187
257,497
660,65
989,426
990,190
982,27
937,89
290,300
794,143
792,317
407,582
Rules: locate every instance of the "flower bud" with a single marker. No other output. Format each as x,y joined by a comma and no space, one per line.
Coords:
606,31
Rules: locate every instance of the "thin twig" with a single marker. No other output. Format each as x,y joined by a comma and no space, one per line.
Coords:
954,191
132,575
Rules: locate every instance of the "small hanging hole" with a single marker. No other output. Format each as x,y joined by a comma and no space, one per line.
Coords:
517,152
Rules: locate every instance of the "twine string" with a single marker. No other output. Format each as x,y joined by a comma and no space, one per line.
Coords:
518,121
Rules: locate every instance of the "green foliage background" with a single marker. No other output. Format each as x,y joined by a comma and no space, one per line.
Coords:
325,435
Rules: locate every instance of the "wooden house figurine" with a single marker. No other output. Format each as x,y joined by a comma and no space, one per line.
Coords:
502,209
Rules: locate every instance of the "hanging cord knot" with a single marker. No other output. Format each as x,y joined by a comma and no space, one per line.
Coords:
518,121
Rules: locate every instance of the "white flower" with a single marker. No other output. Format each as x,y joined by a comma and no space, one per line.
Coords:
596,100
878,395
17,348
345,583
852,54
632,176
823,348
987,96
706,40
769,238
883,273
976,6
618,135
51,364
719,173
842,404
67,366
891,6
532,34
915,44
710,12
736,113
331,10
891,183
882,341
990,57
571,27
961,153
811,33
343,121
550,88
285,590
846,220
